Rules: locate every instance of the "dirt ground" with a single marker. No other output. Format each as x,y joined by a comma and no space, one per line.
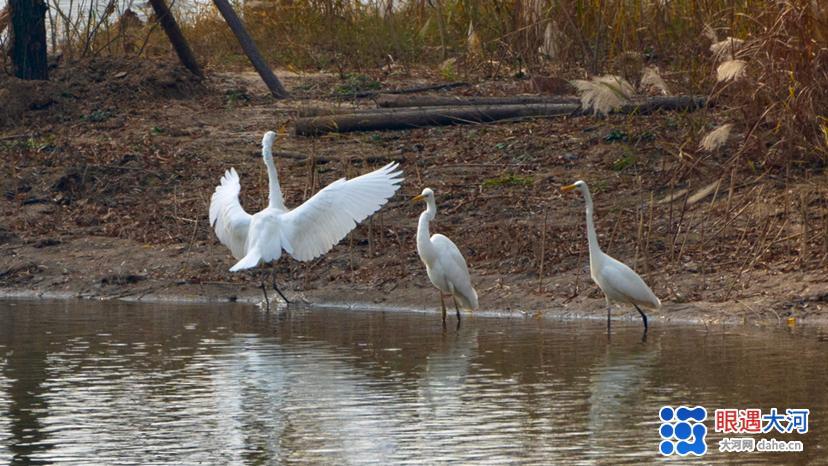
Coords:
108,171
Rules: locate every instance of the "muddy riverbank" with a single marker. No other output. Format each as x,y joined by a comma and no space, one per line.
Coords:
110,178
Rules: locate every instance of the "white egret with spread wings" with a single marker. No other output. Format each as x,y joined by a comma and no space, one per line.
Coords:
306,232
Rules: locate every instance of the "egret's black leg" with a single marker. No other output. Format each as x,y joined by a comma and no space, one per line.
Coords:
273,280
443,305
609,321
456,307
643,317
264,291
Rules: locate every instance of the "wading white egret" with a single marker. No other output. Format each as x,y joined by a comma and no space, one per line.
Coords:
619,283
444,263
306,232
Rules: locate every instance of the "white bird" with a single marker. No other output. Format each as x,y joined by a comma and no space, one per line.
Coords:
306,232
444,263
619,283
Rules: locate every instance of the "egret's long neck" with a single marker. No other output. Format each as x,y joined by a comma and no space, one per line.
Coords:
275,196
424,246
594,250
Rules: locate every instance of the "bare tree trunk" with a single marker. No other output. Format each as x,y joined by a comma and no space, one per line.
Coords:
165,17
250,49
28,39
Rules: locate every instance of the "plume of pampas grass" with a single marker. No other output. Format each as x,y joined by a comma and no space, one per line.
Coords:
716,138
533,12
651,81
473,44
603,94
710,33
628,65
551,41
819,10
731,70
424,30
448,65
726,49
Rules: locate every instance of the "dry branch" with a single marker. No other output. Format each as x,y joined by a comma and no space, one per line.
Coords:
440,116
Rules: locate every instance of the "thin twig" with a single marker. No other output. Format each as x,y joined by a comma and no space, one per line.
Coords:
542,250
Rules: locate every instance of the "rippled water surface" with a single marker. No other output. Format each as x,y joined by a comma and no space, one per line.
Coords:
108,383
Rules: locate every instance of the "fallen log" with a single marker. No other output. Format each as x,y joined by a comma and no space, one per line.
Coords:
427,102
397,101
405,90
392,103
327,111
323,111
441,116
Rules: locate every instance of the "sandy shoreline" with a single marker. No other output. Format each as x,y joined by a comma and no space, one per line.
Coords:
734,313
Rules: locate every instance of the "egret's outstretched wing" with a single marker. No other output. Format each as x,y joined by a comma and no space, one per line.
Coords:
623,281
316,226
456,270
227,217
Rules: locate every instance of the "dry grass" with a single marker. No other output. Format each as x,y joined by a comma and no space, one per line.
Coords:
781,95
769,71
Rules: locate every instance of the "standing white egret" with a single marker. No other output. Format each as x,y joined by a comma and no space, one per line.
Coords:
444,263
619,283
306,232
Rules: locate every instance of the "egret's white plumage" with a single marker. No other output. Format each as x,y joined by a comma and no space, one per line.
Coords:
305,232
619,283
444,263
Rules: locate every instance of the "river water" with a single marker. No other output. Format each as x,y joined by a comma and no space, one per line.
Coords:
111,383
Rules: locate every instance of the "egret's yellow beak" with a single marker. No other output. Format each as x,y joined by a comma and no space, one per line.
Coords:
281,133
568,188
418,198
